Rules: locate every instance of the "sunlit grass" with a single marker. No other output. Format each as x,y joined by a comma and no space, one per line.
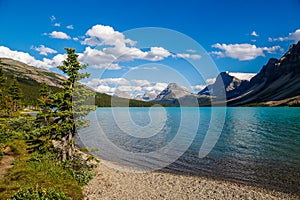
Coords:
37,171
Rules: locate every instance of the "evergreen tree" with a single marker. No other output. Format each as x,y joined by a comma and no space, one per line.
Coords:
2,87
44,91
43,117
14,96
68,107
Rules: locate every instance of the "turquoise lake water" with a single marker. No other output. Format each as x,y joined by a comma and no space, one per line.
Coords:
257,146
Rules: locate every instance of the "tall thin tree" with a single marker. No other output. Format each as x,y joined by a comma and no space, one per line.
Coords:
68,107
2,87
14,96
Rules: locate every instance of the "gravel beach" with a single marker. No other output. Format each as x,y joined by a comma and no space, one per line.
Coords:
110,183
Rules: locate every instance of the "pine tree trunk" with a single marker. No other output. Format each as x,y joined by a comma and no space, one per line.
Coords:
64,152
70,146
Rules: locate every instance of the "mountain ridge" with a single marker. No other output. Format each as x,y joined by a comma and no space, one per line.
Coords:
279,79
277,84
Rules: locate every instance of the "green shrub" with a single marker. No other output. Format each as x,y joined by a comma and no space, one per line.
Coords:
23,124
4,136
41,194
15,128
82,176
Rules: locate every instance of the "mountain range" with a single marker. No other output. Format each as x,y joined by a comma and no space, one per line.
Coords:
277,84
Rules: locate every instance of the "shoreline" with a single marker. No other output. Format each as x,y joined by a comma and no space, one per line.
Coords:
110,183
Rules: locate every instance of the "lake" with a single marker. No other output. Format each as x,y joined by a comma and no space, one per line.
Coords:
257,146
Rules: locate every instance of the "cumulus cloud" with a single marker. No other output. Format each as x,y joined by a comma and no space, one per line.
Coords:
59,35
242,52
198,88
187,56
98,59
70,27
217,53
44,50
210,80
54,62
105,35
114,47
126,88
141,82
57,24
294,36
254,34
155,54
30,60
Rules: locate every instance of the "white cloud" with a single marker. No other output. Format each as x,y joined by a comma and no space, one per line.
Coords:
105,89
98,59
144,68
160,86
198,88
54,62
70,27
129,88
254,34
57,24
187,56
52,18
44,50
19,56
95,82
30,60
59,35
217,53
118,48
272,49
115,81
141,82
242,52
105,35
126,88
159,51
191,51
210,81
295,36
109,57
155,54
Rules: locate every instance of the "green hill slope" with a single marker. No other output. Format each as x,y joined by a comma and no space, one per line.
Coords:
30,79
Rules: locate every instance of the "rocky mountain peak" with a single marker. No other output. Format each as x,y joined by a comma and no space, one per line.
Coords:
278,79
225,84
173,91
173,86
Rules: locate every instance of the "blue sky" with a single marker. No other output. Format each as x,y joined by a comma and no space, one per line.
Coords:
239,36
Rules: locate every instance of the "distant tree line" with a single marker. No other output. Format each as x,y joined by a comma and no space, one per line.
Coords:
10,97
